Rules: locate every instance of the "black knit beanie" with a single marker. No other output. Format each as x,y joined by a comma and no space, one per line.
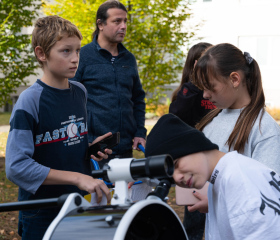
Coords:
171,135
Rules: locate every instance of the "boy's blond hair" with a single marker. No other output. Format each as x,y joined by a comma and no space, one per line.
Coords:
49,30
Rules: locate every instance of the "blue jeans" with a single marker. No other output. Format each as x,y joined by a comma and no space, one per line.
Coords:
33,224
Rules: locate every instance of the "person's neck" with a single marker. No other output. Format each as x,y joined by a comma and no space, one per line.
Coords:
243,98
213,157
109,46
55,83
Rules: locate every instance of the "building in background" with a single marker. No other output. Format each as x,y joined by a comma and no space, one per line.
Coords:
252,26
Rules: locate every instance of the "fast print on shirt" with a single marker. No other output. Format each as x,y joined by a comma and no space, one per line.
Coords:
71,133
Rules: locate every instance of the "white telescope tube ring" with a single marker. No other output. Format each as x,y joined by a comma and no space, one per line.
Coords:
120,170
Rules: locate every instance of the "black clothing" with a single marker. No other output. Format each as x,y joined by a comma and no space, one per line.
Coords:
190,105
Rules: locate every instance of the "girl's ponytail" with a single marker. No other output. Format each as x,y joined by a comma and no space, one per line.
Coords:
222,60
250,113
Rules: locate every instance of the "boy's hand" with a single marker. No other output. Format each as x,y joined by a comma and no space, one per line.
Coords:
82,181
91,185
138,140
202,205
107,151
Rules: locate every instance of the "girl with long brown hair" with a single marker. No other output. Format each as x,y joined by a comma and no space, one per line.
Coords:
232,81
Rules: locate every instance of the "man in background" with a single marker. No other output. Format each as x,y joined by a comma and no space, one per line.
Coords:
109,73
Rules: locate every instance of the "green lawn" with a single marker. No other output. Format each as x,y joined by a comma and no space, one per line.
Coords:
8,193
4,118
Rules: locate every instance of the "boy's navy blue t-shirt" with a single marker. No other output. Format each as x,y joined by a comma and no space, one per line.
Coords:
48,131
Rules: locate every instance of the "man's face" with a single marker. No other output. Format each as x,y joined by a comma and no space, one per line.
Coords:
114,29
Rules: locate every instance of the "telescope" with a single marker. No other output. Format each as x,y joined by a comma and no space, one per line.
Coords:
148,219
122,171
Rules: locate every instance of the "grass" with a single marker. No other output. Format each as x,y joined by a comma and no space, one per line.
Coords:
8,190
8,193
4,118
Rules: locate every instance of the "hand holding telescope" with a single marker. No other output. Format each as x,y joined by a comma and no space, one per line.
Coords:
122,171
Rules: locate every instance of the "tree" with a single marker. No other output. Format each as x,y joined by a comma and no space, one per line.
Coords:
156,39
16,57
154,36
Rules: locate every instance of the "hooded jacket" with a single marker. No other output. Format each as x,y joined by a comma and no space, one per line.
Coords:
190,106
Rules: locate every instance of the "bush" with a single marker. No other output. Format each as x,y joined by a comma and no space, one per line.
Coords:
274,112
157,110
162,109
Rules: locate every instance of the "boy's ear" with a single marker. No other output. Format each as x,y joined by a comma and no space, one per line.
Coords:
235,79
40,54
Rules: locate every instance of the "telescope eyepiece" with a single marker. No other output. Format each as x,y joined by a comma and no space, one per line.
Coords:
160,166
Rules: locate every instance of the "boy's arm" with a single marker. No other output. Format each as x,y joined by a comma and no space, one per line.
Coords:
82,181
19,165
21,169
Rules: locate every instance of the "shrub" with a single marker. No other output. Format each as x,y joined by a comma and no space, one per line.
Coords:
158,110
274,112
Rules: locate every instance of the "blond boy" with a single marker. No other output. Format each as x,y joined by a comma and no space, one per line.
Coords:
47,143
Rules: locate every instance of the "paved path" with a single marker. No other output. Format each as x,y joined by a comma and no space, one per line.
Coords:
149,122
5,128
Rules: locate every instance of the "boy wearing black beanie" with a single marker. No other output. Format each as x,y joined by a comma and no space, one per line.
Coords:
243,195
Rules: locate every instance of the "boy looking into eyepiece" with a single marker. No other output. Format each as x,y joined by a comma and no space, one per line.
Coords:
243,195
47,143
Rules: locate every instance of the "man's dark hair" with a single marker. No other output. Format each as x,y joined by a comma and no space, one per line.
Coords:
102,13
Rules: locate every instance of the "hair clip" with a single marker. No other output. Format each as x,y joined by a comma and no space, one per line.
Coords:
248,57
